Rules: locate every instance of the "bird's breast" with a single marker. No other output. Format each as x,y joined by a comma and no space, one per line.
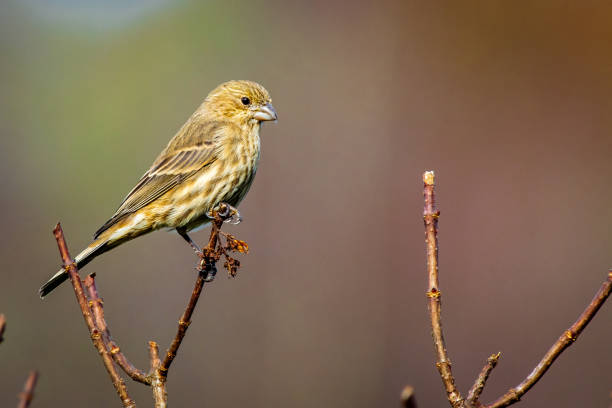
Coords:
227,179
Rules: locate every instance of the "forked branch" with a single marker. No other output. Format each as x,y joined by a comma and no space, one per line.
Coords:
94,331
91,305
430,216
566,339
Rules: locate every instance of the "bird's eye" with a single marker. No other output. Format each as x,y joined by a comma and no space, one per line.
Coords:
245,100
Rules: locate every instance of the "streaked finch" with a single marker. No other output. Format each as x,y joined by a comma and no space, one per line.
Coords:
212,159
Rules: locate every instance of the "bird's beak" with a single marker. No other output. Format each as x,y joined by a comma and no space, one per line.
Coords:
265,112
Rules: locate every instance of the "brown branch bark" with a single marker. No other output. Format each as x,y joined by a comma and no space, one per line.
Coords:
96,303
2,326
209,258
94,332
158,382
91,305
26,396
434,296
564,341
476,390
407,397
430,216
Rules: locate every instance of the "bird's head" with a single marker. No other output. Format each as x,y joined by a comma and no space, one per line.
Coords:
243,101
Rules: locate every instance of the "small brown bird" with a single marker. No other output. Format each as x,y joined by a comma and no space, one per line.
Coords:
211,159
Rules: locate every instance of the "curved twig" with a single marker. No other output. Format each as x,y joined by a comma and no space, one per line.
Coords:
564,341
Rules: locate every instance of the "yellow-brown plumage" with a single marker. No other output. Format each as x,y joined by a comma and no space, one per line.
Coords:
211,159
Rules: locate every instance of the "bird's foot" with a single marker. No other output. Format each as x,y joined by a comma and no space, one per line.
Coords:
228,213
211,275
207,269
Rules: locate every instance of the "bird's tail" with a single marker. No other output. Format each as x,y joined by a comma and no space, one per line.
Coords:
94,249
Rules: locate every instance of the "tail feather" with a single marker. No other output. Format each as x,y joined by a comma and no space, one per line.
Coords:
94,249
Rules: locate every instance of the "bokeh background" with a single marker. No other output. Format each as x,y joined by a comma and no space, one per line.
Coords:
509,102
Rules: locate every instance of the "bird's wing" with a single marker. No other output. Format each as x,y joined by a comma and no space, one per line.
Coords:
186,154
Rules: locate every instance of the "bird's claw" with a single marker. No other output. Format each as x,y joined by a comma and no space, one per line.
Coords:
211,276
208,269
234,218
228,213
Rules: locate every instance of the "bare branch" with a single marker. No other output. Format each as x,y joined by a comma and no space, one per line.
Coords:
565,340
209,258
2,326
96,304
94,332
91,305
158,382
476,390
407,397
25,398
430,218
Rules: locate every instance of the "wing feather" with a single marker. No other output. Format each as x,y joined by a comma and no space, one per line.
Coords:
192,149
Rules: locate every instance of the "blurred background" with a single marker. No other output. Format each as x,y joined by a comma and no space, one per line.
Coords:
509,102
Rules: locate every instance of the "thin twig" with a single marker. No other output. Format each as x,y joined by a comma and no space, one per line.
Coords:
430,217
209,258
158,382
25,398
94,332
96,303
2,326
476,390
407,397
183,324
565,340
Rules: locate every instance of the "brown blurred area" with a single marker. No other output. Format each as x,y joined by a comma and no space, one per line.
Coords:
509,102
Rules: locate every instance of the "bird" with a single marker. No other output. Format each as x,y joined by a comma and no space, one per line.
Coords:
211,160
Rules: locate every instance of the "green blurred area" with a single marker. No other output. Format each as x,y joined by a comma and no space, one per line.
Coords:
508,101
90,91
